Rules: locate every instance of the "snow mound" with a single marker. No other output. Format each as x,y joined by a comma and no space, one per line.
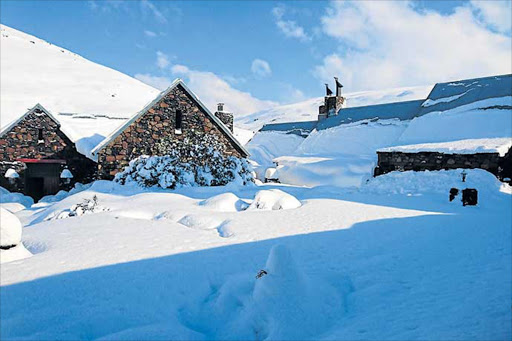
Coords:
274,199
10,229
414,183
62,194
8,197
225,230
282,304
12,207
225,202
266,146
200,222
15,253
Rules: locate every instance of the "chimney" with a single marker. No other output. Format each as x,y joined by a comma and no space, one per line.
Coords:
328,92
338,87
225,117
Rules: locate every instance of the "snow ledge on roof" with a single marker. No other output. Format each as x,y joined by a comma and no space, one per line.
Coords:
500,145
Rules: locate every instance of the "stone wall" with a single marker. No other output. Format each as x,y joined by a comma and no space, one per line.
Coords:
158,123
331,106
492,162
226,118
22,142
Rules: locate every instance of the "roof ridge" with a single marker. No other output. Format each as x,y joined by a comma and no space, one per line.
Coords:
174,84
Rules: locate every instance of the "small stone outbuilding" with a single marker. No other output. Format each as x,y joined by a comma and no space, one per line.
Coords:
34,152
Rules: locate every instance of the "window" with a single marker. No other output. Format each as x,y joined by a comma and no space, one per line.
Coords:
40,138
179,120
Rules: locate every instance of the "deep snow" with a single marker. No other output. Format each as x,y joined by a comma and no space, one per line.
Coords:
391,260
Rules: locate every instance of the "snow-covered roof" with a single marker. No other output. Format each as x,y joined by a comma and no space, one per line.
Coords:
297,128
400,110
22,117
446,96
499,145
164,93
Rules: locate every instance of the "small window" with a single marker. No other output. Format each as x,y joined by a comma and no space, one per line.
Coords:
40,138
179,120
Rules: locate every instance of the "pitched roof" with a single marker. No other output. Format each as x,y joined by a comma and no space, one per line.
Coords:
22,117
449,95
302,128
164,93
400,110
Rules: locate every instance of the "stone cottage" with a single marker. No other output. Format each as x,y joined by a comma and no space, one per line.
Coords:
38,158
175,114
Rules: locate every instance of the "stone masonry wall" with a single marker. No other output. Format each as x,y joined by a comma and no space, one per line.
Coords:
391,161
226,118
21,142
143,135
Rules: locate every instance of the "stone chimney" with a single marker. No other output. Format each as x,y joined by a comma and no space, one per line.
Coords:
332,104
225,117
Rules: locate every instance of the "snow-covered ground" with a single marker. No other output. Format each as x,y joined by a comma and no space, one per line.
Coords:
392,260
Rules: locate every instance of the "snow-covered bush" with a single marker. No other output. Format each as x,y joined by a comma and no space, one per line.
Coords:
225,202
86,207
10,229
11,247
274,199
191,162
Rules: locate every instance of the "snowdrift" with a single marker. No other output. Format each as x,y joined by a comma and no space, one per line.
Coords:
281,303
10,238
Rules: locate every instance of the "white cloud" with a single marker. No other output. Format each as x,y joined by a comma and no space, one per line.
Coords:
162,60
496,14
389,44
260,68
160,83
148,7
150,33
212,89
289,28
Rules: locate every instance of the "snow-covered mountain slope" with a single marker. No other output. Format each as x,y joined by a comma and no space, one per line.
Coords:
35,71
308,110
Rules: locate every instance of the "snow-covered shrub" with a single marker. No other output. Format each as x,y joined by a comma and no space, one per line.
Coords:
191,162
10,229
86,207
225,202
11,247
274,199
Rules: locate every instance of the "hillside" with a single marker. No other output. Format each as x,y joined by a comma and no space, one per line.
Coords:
34,70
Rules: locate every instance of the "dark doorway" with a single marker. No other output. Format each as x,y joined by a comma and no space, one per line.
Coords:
41,179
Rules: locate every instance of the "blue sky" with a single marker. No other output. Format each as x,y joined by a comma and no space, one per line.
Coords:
277,51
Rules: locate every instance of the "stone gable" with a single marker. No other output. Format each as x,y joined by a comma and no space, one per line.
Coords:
159,122
22,141
26,141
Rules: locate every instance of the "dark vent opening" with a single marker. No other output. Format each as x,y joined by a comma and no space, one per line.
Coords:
179,119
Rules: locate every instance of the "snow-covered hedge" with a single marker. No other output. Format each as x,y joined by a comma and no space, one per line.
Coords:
205,166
